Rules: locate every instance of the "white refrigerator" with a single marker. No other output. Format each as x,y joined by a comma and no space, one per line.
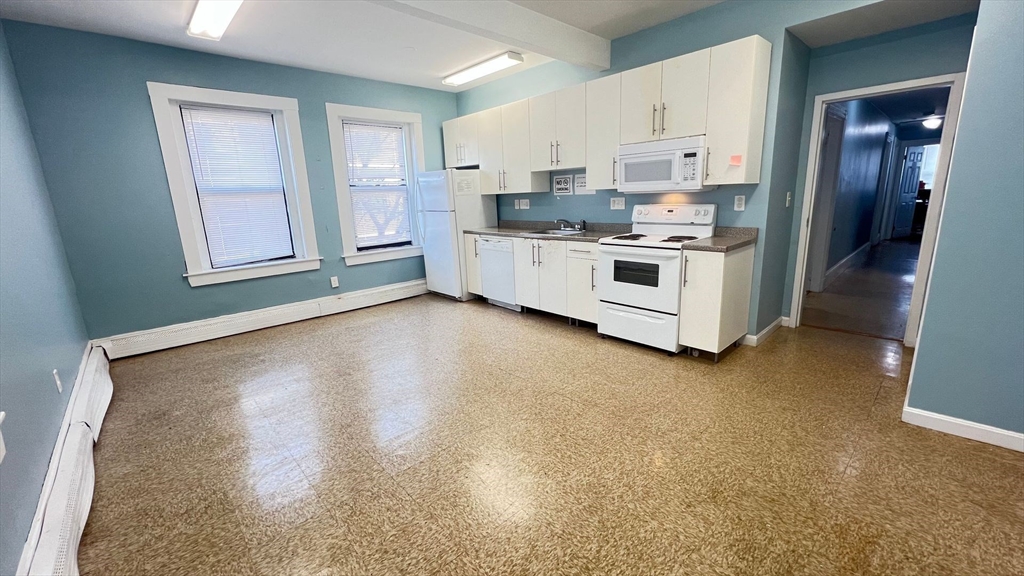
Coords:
448,202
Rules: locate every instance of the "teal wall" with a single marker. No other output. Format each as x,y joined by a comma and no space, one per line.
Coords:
90,113
41,327
930,49
859,167
970,356
715,25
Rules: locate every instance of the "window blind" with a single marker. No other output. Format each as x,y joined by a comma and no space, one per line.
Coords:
377,179
237,168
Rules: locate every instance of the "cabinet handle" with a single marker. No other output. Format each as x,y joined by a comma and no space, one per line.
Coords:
476,250
580,251
593,284
662,117
558,152
615,170
458,152
504,176
551,154
654,118
533,252
538,255
686,262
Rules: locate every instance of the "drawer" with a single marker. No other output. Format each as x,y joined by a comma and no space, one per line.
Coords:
584,250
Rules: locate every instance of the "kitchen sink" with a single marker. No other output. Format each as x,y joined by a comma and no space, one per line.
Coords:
559,232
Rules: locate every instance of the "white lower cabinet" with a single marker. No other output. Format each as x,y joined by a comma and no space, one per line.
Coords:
540,274
473,278
715,303
581,289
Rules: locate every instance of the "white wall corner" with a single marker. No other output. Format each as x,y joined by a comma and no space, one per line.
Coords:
760,337
964,428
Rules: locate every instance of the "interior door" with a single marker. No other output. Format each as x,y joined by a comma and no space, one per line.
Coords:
603,96
825,191
640,105
909,184
441,253
571,122
489,141
542,132
684,95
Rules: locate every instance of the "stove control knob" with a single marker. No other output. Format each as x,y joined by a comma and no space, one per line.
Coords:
696,212
646,211
705,212
638,211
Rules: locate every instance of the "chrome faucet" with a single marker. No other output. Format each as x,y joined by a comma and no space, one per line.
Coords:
564,224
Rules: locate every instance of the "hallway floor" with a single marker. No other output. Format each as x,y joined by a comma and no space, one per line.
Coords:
872,298
433,437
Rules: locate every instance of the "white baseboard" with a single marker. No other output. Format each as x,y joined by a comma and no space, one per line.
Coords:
175,335
53,535
858,256
964,428
754,340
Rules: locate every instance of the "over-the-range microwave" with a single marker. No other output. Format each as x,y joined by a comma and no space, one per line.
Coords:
675,165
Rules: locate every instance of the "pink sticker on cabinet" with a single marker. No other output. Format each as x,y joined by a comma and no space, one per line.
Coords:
736,160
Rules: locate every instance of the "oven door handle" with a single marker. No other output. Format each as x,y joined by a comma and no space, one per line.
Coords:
653,254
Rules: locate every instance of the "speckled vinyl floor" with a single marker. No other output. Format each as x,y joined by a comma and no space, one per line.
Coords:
432,437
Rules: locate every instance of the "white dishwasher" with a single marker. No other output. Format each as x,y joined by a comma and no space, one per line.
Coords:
497,270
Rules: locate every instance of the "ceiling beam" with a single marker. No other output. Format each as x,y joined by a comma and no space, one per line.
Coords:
511,24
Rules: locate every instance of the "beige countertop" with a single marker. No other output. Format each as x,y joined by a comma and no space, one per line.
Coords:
726,239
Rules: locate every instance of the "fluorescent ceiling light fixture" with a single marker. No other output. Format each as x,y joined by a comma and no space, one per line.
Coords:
496,64
212,17
932,123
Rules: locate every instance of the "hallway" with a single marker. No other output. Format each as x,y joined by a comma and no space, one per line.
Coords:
871,299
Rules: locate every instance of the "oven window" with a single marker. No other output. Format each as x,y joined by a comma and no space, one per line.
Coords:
648,170
639,273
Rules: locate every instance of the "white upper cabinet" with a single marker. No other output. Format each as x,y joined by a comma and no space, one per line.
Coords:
737,98
558,128
460,141
491,153
684,95
517,176
603,96
571,123
543,132
640,104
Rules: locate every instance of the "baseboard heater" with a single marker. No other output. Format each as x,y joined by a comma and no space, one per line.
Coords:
52,545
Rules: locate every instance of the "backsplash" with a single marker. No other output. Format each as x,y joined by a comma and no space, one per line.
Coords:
546,206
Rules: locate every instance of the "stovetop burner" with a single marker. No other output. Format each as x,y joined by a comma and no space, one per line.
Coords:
630,237
679,238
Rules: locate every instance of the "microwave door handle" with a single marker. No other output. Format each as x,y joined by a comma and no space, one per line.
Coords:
677,168
615,170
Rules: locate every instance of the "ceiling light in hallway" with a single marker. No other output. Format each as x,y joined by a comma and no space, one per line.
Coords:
932,123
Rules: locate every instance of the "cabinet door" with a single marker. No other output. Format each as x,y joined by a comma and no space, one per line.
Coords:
737,97
515,142
603,132
551,262
542,132
489,140
684,95
640,104
469,139
700,306
571,123
524,251
452,150
581,292
473,282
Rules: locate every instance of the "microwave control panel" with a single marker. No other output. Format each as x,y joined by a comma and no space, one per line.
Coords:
688,170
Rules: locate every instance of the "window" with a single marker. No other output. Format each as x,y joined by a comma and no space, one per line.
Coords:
378,185
237,177
376,154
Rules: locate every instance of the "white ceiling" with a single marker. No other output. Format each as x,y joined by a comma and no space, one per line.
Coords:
348,37
615,18
884,16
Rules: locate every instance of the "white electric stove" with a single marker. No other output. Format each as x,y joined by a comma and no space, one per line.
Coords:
640,274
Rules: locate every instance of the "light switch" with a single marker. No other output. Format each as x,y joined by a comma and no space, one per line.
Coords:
517,204
334,281
524,203
56,378
739,203
618,203
789,199
3,449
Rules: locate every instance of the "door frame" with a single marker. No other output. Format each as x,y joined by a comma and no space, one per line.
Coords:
822,235
956,84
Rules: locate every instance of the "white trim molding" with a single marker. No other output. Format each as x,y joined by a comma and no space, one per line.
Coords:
855,258
166,100
66,495
964,428
413,122
760,337
175,335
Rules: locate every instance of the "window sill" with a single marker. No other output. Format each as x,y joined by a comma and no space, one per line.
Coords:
249,271
382,255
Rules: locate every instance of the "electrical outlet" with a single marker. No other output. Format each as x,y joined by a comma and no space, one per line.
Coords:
3,448
739,203
524,204
789,199
334,281
517,204
618,203
56,378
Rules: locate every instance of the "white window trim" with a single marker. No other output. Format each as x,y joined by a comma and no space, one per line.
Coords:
414,140
166,99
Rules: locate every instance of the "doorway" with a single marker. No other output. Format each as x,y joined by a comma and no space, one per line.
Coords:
872,203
